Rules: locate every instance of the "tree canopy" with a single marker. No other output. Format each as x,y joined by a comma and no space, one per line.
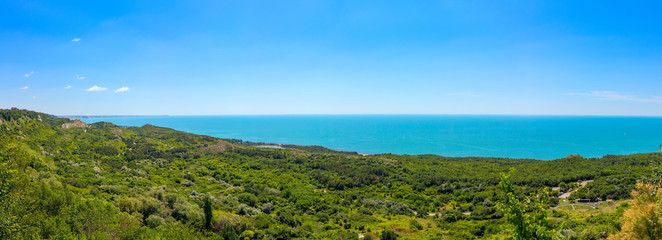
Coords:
65,179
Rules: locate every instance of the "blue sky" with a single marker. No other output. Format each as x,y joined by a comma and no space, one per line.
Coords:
332,57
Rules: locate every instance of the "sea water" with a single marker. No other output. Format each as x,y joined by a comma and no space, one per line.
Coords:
538,137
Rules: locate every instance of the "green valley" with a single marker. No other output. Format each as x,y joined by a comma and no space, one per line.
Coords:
65,179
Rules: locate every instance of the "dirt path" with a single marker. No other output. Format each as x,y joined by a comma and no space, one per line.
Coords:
567,194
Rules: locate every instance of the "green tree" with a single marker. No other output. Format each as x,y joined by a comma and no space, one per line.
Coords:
388,235
531,225
563,186
228,233
644,219
9,201
208,212
248,199
154,221
415,225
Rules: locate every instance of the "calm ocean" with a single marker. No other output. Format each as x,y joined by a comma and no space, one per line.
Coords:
539,137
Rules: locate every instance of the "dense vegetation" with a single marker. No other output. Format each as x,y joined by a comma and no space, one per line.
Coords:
69,180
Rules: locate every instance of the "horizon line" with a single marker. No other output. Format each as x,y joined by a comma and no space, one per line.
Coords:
344,114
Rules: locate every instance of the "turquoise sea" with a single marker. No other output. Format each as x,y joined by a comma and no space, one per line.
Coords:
538,137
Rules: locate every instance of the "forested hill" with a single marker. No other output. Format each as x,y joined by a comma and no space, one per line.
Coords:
65,179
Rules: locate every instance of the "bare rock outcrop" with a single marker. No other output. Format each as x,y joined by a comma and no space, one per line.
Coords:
221,146
74,124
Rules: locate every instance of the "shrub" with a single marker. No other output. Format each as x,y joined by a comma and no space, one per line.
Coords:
185,211
449,218
228,233
129,205
388,235
643,220
154,221
248,199
267,207
415,225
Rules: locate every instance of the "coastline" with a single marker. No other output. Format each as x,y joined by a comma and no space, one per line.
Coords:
514,137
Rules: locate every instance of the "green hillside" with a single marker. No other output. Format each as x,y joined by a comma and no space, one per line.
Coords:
64,179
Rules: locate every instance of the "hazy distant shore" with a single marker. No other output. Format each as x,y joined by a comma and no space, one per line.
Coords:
520,137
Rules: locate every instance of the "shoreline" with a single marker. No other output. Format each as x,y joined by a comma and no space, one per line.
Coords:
516,138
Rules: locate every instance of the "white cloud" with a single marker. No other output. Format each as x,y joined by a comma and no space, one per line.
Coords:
614,96
79,77
28,74
67,87
75,39
464,94
96,88
122,89
24,88
34,97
